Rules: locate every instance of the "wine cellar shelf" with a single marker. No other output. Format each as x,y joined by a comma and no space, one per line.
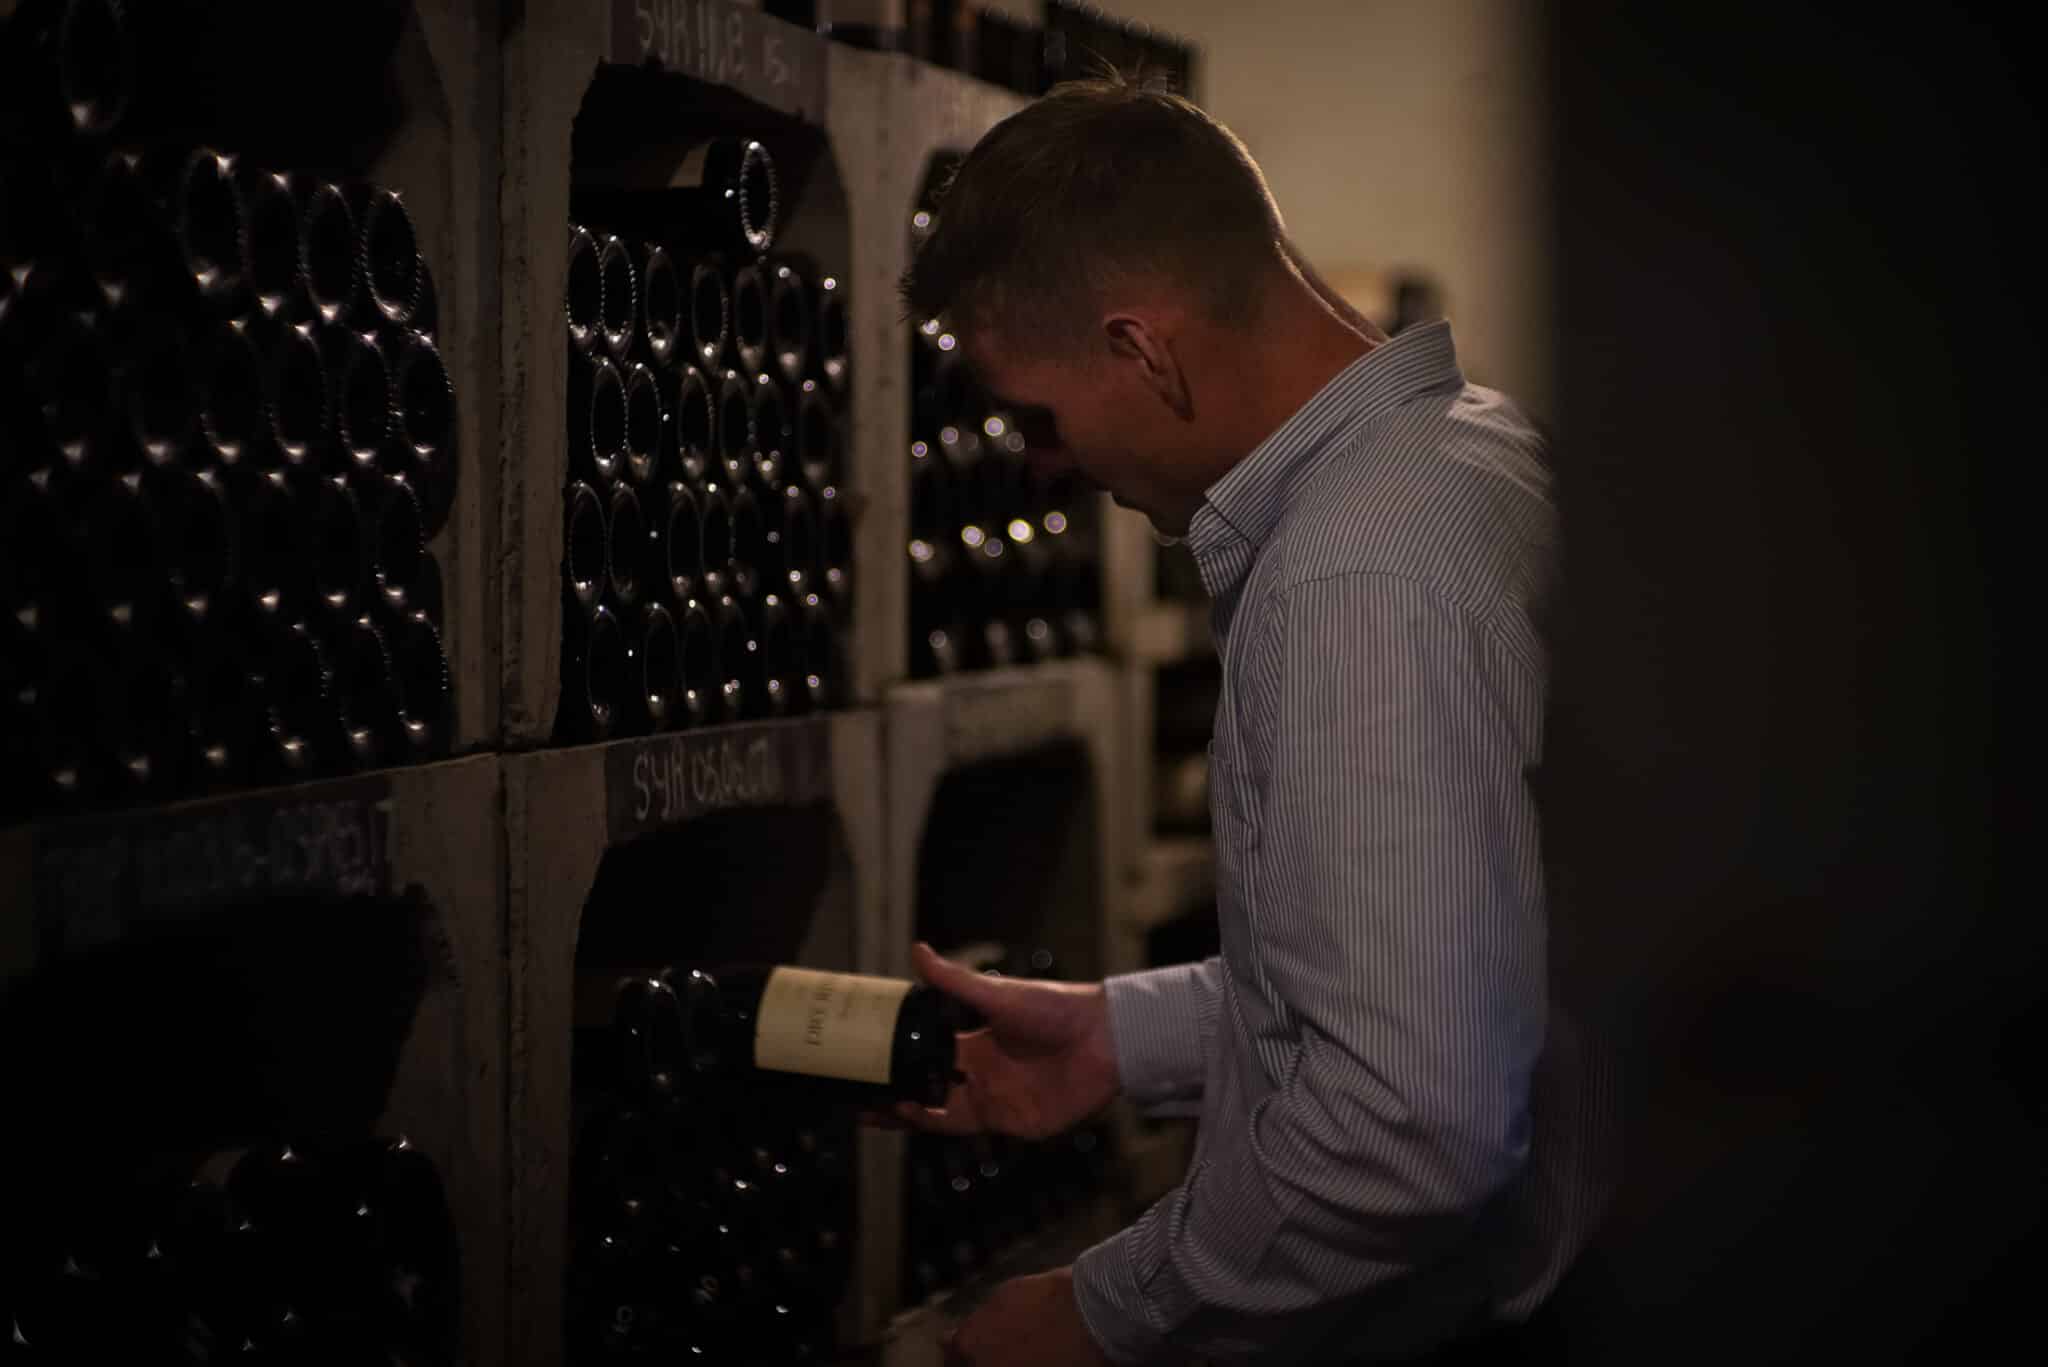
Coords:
545,872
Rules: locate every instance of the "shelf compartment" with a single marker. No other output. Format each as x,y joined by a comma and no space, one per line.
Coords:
676,822
97,883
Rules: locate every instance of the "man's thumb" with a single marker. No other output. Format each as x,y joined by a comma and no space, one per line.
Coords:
981,994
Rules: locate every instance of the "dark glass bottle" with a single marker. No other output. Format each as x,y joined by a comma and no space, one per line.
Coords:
835,337
365,419
735,429
425,692
339,546
663,687
414,1292
710,314
158,387
850,1037
423,402
625,548
817,438
735,636
397,536
821,659
390,273
296,395
366,692
583,296
644,423
661,305
328,247
750,315
792,556
273,252
269,527
594,675
692,416
749,543
789,323
697,648
584,541
619,314
597,420
771,428
716,542
233,419
299,711
835,552
731,197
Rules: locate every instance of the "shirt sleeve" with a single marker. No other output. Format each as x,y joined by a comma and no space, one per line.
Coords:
1396,910
1163,1024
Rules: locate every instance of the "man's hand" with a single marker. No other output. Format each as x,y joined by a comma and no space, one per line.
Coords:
1043,1064
1028,1322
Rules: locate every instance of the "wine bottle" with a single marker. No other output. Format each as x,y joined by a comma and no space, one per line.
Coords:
736,646
661,305
158,390
415,1290
296,395
821,669
710,314
366,692
328,247
273,251
232,415
388,248
339,546
269,527
583,295
789,323
625,547
716,541
835,331
743,575
732,196
772,434
198,547
644,423
594,675
851,1037
585,545
735,429
209,221
692,417
679,570
620,315
597,419
663,689
397,534
792,558
297,689
423,401
71,377
750,315
425,693
775,683
835,541
703,685
817,438
365,419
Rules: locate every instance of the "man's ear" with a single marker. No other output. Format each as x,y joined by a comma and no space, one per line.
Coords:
1133,339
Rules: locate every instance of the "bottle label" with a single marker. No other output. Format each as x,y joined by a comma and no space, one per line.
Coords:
840,1025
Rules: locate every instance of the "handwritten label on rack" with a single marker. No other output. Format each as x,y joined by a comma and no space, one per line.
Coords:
1006,718
97,879
665,780
776,63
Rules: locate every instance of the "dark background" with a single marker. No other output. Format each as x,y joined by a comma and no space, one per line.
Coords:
1796,427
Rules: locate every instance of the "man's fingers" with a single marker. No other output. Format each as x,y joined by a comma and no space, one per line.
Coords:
985,994
956,1119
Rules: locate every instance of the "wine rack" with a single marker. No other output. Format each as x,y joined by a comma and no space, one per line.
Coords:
566,858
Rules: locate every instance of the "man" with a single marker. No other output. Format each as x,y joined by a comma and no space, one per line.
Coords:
1395,1142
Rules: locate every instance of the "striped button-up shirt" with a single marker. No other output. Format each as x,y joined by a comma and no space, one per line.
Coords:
1397,1123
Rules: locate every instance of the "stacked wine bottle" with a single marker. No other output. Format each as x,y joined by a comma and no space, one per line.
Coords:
967,1199
226,435
1005,566
278,1252
707,560
711,1221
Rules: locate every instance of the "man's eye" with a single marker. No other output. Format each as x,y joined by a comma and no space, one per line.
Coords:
1037,427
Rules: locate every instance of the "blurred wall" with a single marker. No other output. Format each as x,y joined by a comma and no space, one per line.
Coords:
1398,134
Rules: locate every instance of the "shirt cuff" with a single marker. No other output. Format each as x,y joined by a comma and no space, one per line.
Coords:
1111,1298
1162,1024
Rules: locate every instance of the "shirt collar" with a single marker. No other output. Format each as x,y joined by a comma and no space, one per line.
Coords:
1243,506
